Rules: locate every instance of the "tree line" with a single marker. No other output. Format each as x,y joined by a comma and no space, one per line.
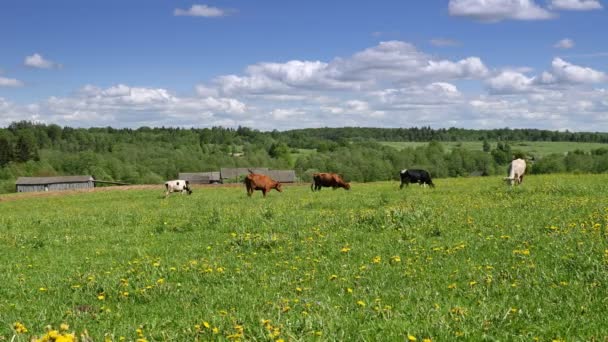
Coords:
153,155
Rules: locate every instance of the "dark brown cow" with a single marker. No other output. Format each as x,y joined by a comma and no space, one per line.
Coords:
325,179
255,181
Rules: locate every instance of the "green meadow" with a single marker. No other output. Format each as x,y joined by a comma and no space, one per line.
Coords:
472,259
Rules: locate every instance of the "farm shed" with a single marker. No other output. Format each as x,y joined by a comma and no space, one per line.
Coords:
283,176
33,184
235,173
201,177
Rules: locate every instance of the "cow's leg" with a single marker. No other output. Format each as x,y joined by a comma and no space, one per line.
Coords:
264,192
312,186
401,185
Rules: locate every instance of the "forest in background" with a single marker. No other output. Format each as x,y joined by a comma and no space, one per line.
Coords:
152,155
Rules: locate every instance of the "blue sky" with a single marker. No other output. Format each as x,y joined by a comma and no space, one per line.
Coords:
285,64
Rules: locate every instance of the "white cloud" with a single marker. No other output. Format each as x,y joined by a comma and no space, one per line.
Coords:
122,105
571,73
576,5
443,89
565,43
508,82
497,10
392,62
200,11
391,84
37,61
10,82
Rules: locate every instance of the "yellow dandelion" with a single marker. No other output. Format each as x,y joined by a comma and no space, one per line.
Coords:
333,277
64,326
377,259
19,328
411,338
345,249
452,286
361,303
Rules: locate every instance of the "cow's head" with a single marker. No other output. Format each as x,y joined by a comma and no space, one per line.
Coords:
187,187
509,181
347,186
277,185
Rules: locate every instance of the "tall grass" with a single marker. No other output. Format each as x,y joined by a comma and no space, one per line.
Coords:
470,259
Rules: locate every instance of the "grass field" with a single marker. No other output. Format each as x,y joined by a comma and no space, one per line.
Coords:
471,259
534,148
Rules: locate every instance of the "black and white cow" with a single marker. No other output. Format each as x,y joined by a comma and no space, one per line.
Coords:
415,176
178,185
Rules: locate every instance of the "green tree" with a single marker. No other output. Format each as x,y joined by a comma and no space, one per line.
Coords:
26,148
486,146
6,151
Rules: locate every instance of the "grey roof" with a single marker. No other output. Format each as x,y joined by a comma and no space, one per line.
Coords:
212,175
241,171
53,180
283,176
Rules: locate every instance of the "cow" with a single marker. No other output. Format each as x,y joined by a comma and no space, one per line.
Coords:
415,176
325,179
177,185
254,181
517,168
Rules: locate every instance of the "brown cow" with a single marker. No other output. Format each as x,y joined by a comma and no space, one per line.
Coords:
255,181
328,180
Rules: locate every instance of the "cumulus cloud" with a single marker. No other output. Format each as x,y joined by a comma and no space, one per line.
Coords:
571,73
565,43
37,61
391,84
392,62
508,82
10,82
498,10
200,11
576,5
123,105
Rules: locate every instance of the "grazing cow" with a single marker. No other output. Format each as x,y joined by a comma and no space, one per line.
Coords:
324,179
415,176
517,168
178,185
255,181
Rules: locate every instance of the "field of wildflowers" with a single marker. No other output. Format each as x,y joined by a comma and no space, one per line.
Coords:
471,259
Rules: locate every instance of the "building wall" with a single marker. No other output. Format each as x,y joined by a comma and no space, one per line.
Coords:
54,187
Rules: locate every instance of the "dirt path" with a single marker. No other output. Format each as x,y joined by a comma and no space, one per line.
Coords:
159,187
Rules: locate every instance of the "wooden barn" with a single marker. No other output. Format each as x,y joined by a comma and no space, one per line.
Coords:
235,173
201,177
33,184
283,176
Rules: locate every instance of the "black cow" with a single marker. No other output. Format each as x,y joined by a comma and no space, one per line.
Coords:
415,176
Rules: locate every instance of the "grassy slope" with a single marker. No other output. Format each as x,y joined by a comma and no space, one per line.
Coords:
471,258
536,148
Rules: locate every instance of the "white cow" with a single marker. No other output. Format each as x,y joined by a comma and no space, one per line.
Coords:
517,168
178,185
